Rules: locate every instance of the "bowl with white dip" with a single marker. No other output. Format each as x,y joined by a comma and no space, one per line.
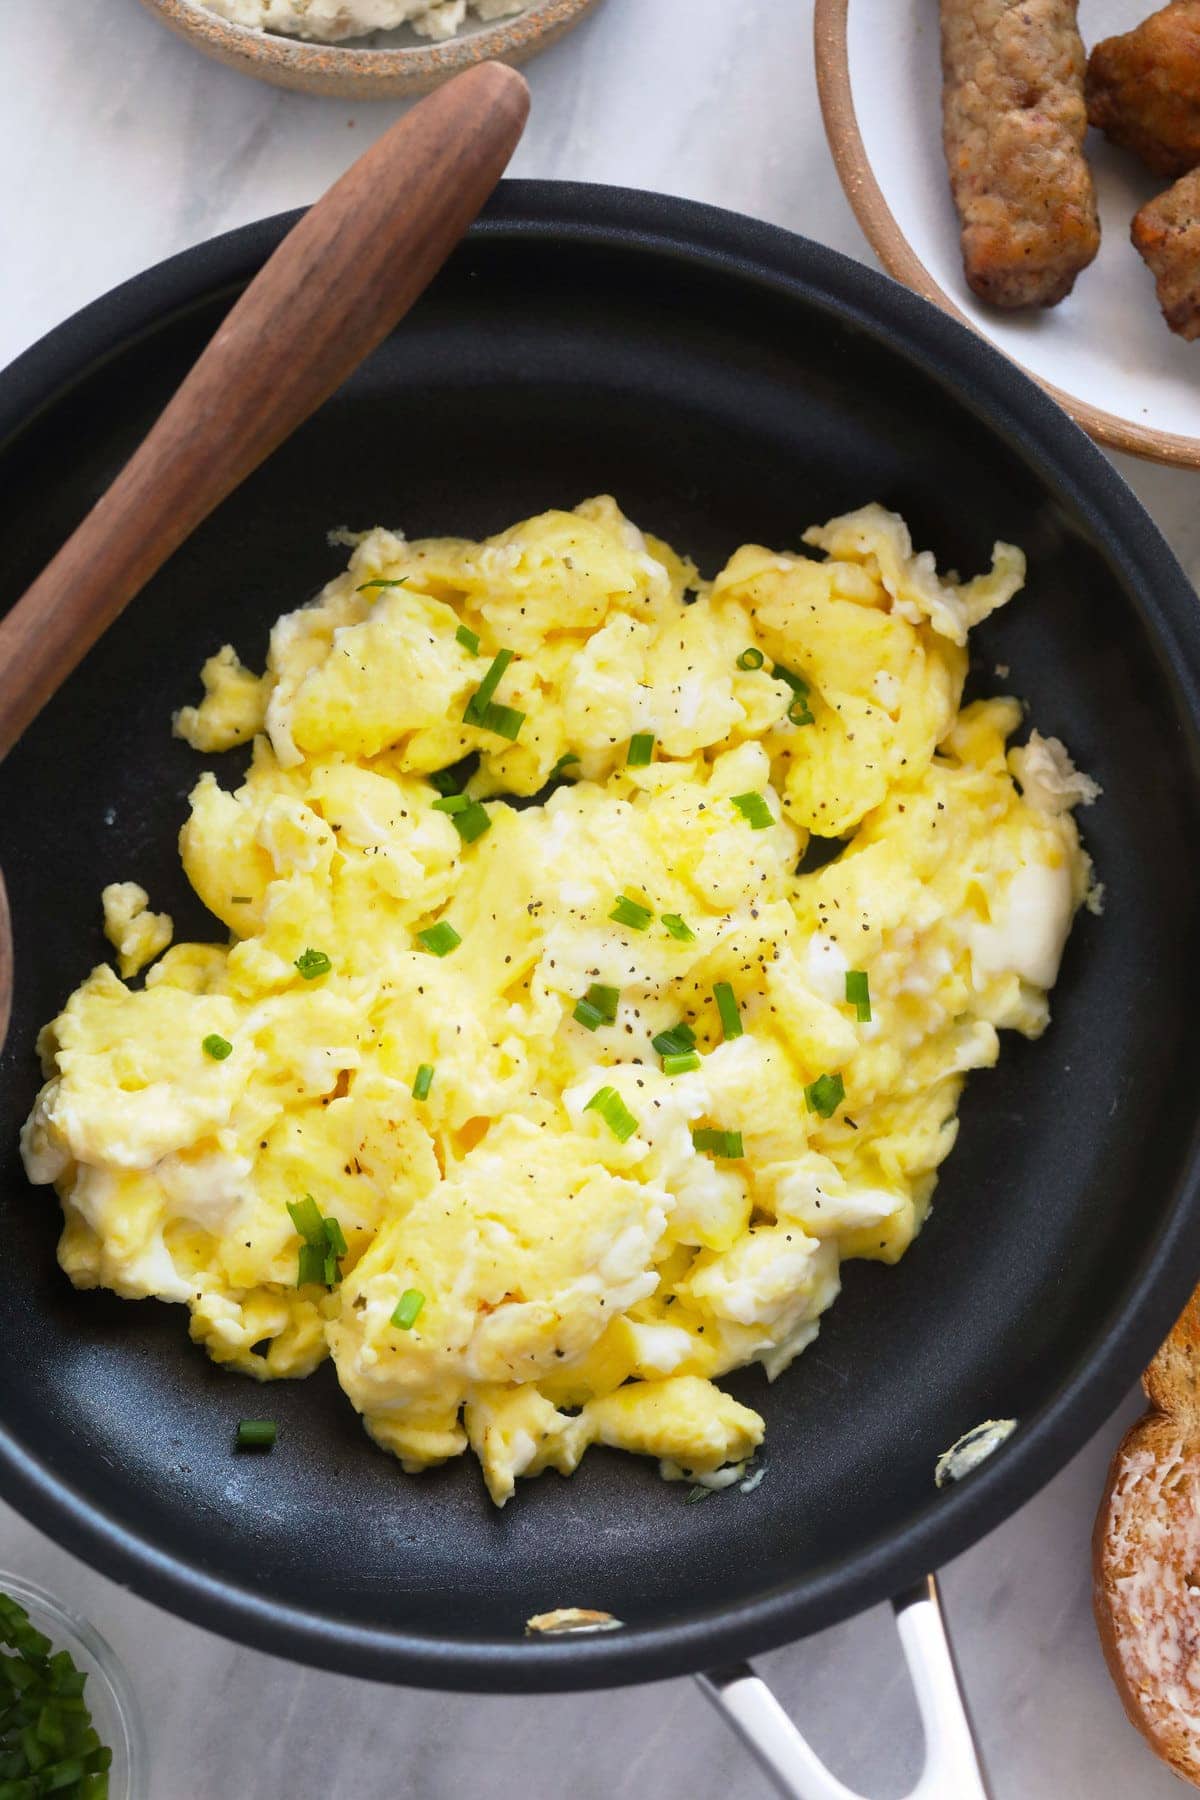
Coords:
367,49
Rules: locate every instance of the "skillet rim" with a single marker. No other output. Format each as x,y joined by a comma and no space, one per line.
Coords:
1062,455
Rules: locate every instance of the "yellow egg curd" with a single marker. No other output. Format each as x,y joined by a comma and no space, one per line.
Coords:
533,1080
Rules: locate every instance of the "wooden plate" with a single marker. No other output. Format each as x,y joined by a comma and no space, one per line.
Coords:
1105,353
401,63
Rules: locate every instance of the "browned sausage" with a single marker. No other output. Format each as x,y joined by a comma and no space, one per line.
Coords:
1143,89
1167,234
1013,122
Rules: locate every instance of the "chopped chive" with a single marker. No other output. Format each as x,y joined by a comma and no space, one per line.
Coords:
217,1047
751,658
65,1678
481,698
311,1268
408,1309
796,682
312,963
641,750
698,1493
613,1110
452,803
255,1434
505,721
48,1744
682,1064
605,999
59,1776
754,810
445,781
678,928
382,581
725,1145
599,1007
467,638
483,711
35,1754
16,1630
440,938
588,1015
63,1775
424,1082
628,912
324,1243
567,757
858,993
18,1674
677,1040
825,1095
799,711
471,822
306,1217
49,1729
727,1006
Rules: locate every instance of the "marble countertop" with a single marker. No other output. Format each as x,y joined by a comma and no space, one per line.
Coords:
123,145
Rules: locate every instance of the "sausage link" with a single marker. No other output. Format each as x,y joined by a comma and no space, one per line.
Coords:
1013,121
1143,89
1166,234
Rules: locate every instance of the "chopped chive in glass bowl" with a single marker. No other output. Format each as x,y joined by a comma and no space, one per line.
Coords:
106,1695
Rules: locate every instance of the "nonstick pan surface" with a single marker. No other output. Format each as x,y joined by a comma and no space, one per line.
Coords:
727,382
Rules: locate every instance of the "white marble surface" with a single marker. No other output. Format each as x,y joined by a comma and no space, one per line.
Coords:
120,145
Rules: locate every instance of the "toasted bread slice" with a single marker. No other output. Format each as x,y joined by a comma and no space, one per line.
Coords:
1146,1556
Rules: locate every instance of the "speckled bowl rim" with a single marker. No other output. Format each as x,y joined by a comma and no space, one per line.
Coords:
896,253
337,71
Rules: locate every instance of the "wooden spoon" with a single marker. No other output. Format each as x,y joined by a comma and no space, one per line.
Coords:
332,291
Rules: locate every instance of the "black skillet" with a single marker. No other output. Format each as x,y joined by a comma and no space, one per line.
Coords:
728,382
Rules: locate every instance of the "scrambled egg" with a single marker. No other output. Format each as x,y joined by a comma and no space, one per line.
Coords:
135,933
579,1091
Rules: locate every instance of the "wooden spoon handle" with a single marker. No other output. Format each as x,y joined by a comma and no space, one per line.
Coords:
335,287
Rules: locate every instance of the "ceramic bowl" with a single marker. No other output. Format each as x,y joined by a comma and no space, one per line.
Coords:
390,64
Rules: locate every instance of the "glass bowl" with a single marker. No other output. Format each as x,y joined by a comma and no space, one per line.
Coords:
109,1694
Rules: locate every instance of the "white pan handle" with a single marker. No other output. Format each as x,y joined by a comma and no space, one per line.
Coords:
952,1769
